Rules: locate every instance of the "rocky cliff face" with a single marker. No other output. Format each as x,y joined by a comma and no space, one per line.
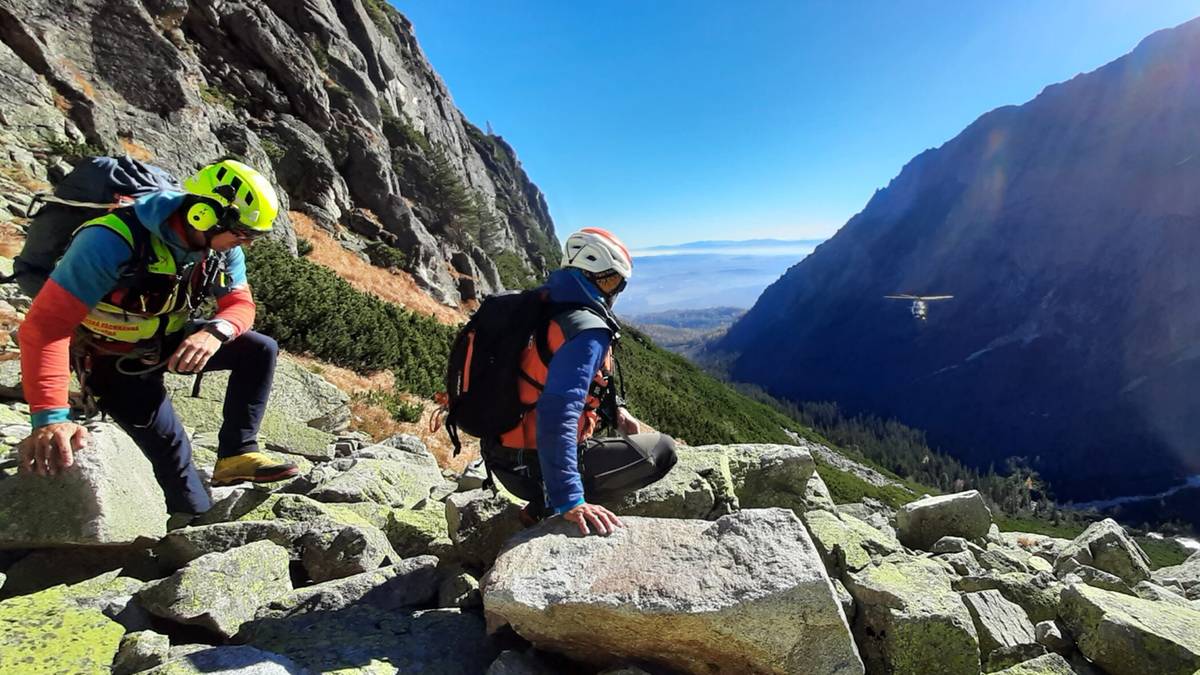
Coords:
333,99
1067,230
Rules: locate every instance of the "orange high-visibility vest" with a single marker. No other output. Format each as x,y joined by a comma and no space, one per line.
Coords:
524,435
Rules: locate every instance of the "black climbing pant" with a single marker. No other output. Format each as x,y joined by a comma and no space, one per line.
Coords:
139,404
610,468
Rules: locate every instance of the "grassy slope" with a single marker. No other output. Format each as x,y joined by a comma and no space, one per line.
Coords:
679,399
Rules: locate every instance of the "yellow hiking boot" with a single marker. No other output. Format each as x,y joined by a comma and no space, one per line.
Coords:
254,467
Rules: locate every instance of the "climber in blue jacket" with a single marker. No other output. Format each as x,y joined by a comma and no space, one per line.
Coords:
572,470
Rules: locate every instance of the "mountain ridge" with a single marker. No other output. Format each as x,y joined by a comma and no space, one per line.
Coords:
1059,225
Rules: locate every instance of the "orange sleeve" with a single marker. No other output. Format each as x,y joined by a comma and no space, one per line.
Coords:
45,337
237,307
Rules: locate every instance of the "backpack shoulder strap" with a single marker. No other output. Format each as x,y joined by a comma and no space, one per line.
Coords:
134,234
573,319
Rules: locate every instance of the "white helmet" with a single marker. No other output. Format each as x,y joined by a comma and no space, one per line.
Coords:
595,250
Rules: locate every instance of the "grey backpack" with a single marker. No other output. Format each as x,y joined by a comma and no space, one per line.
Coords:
95,186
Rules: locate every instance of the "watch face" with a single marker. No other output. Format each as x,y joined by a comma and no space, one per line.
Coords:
221,330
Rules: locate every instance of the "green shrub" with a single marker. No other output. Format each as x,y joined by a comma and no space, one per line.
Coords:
308,308
216,96
303,246
380,11
319,53
272,149
382,255
513,272
72,151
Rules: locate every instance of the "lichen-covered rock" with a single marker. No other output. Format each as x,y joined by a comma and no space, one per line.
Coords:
1043,546
48,633
252,504
1037,594
1047,664
770,476
112,594
297,394
1071,572
182,546
743,594
140,651
479,523
1185,576
817,495
1125,635
409,583
872,512
401,482
846,543
698,486
419,531
365,639
1147,590
710,481
1051,636
1106,547
964,563
998,622
279,432
353,549
221,591
910,621
1001,559
921,523
108,496
240,659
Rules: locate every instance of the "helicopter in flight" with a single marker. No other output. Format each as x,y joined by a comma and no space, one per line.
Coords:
920,305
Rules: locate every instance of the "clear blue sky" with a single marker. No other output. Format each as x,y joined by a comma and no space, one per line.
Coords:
672,121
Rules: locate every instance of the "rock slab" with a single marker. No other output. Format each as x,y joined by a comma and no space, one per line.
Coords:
909,621
998,622
921,523
109,496
48,633
746,593
1125,635
221,591
1106,547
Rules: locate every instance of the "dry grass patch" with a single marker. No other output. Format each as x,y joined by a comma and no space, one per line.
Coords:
138,152
12,238
393,286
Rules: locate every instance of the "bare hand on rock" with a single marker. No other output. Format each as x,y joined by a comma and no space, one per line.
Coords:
51,449
600,518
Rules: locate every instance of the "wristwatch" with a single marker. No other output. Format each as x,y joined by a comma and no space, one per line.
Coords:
220,329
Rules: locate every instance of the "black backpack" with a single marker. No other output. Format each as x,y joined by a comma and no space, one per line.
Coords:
482,395
94,187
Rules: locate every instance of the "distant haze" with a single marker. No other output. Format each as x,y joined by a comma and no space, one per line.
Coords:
703,274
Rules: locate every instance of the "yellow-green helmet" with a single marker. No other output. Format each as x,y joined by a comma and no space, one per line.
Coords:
232,184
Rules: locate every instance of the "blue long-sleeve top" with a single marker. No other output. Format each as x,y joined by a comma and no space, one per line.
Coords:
568,379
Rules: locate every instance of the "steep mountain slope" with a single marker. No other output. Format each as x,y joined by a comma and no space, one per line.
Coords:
1067,229
333,99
